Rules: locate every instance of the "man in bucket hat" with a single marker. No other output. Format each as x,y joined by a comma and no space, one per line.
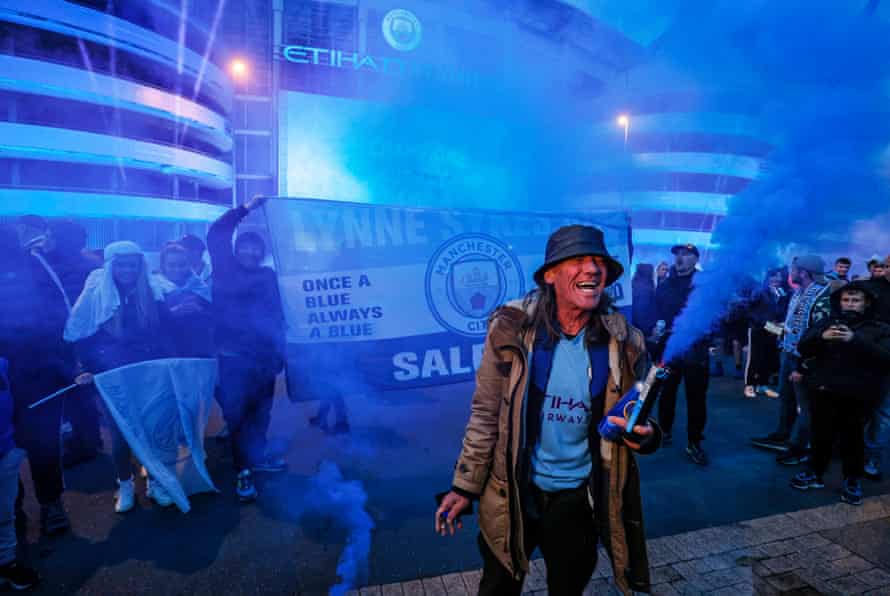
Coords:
554,363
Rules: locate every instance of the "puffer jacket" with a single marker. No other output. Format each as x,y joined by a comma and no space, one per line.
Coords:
855,368
490,463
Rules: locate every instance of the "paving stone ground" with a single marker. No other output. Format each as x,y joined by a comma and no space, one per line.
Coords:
832,550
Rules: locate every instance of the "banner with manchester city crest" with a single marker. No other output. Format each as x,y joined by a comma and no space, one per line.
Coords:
380,297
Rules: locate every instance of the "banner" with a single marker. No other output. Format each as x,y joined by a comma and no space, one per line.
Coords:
380,297
161,408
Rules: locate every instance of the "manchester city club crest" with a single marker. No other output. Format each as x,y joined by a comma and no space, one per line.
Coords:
467,278
402,30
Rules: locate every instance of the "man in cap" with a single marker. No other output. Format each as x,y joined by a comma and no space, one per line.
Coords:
553,364
692,366
876,267
809,306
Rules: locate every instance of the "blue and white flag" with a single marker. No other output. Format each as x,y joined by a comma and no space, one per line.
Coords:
161,408
379,297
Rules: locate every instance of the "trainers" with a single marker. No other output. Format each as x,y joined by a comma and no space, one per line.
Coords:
773,441
750,392
667,438
851,493
18,576
125,498
806,480
696,453
244,487
53,519
794,457
271,464
872,468
157,493
770,393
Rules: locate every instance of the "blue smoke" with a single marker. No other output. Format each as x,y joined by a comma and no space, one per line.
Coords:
820,70
518,133
344,500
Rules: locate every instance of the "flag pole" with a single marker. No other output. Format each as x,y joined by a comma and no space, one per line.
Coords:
53,395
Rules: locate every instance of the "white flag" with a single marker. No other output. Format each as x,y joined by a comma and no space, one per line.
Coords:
161,408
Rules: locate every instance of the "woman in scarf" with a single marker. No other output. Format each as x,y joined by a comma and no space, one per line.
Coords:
119,319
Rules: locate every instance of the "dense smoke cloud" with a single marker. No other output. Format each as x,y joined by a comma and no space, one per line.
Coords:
820,70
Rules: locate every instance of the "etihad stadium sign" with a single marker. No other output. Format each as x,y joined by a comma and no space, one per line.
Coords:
359,62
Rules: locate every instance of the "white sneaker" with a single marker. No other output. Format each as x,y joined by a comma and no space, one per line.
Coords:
157,493
126,496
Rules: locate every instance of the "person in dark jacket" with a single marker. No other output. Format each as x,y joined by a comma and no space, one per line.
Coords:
250,342
847,359
670,300
32,317
554,364
119,319
643,312
188,301
11,572
72,264
877,433
766,313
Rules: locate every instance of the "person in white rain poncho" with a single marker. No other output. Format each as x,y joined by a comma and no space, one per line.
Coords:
119,319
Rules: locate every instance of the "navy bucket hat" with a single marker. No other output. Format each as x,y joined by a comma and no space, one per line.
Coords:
578,241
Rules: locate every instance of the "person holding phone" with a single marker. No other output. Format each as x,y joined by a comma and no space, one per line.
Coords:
846,360
554,363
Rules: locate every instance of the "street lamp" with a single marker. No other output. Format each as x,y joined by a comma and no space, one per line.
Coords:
624,121
238,68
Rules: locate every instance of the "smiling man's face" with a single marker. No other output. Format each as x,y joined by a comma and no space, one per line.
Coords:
578,283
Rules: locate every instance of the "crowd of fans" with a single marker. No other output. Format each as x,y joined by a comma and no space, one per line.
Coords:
817,341
68,313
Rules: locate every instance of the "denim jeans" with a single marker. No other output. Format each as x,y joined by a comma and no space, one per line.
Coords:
877,430
794,406
9,488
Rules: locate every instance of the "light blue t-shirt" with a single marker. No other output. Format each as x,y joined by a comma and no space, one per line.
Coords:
561,458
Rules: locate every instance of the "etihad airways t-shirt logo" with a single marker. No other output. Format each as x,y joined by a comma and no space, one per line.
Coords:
566,410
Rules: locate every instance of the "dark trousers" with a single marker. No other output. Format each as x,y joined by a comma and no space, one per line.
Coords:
37,431
835,415
696,377
83,414
794,407
763,357
564,529
246,389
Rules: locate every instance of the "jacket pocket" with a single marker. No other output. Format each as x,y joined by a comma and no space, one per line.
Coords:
493,514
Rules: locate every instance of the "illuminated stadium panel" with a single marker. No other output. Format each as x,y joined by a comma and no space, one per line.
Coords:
63,82
106,118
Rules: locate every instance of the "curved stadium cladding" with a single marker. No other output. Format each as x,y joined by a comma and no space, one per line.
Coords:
117,114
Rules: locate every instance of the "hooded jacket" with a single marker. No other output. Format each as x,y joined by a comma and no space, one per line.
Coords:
855,368
247,311
494,454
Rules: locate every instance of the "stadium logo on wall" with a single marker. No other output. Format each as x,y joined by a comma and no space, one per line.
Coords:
402,30
467,278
